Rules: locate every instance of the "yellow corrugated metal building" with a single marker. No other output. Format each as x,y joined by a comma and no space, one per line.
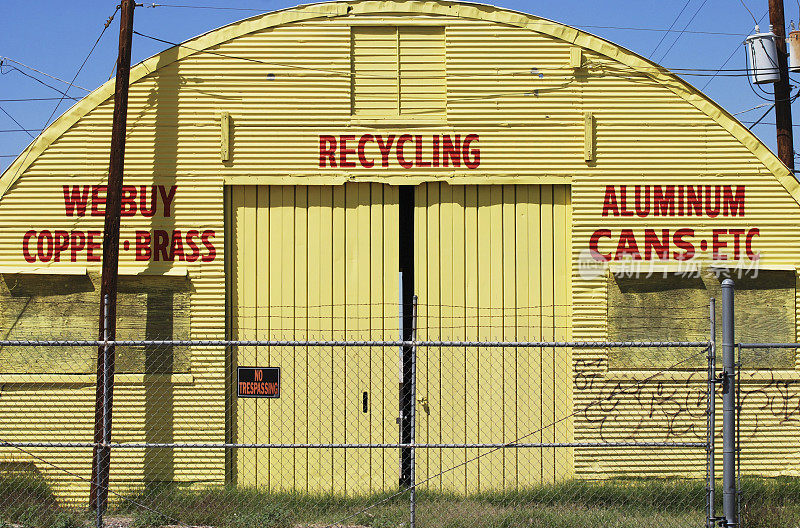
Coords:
264,173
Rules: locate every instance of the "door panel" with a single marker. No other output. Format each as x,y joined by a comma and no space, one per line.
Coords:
492,264
319,263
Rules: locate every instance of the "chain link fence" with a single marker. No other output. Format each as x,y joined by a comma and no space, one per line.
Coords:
768,427
357,433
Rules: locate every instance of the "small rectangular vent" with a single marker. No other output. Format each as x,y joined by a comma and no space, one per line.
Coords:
398,71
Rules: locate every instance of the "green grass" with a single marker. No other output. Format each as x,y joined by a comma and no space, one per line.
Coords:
770,502
570,504
28,502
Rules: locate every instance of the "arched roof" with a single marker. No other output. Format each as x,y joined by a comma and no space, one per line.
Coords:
433,7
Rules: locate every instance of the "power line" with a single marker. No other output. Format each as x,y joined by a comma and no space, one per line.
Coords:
205,7
96,42
670,28
729,57
658,30
762,105
28,99
64,94
26,74
748,10
741,72
664,56
753,123
43,73
762,116
22,128
629,28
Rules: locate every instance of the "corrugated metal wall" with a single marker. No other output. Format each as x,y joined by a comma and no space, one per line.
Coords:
318,263
488,268
285,78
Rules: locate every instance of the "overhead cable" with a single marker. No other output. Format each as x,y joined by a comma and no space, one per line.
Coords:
43,73
729,57
670,28
664,55
22,128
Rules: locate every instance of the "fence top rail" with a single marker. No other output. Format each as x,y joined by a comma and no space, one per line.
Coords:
769,345
357,343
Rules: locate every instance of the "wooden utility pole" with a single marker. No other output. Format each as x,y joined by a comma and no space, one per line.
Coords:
783,106
98,495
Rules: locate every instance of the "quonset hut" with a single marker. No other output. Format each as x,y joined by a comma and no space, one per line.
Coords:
282,169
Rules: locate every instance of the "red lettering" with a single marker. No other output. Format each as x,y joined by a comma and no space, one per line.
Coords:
45,238
176,247
717,244
91,246
167,197
610,201
77,241
472,157
195,254
642,210
652,242
748,244
664,200
385,148
733,205
143,209
593,245
142,245
75,199
627,245
362,143
60,243
128,200
26,238
713,211
736,245
435,151
160,245
98,201
694,200
418,152
344,151
680,243
451,150
327,151
623,201
400,159
212,251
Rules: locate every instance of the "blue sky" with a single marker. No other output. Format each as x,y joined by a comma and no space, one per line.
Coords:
56,36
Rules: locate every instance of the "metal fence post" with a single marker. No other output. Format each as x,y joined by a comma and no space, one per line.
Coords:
711,424
729,496
102,455
412,521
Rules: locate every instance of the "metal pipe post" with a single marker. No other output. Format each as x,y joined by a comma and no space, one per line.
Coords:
711,424
413,496
101,450
729,510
